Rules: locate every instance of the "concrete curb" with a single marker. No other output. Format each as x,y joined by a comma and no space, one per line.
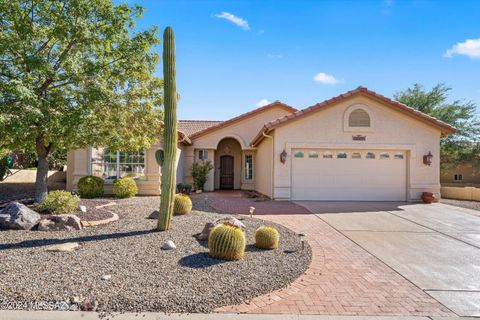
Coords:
73,315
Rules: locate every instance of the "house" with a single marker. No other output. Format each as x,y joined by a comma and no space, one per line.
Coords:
357,146
462,175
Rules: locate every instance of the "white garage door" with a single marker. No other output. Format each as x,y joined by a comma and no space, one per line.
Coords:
361,175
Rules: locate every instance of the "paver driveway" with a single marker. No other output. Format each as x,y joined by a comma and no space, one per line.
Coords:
436,247
343,279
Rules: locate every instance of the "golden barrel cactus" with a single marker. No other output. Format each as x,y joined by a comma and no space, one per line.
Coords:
226,242
182,204
267,238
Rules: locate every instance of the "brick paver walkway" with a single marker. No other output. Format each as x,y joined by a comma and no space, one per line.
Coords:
343,279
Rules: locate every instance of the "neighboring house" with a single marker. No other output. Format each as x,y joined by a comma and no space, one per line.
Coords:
463,174
357,146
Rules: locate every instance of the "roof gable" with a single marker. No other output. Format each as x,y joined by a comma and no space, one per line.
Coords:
395,105
223,124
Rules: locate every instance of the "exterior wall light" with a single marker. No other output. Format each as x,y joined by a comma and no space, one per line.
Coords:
427,159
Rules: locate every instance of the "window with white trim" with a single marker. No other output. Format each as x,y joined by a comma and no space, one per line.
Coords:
359,118
248,167
111,165
458,177
202,154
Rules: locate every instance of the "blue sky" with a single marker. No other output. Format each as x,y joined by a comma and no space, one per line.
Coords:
231,55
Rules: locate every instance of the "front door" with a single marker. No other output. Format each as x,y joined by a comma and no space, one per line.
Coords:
226,172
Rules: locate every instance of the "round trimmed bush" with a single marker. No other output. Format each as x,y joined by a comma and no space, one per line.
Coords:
226,242
125,188
182,204
90,187
267,238
59,202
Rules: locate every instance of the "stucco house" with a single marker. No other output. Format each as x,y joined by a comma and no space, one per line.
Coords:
357,146
462,175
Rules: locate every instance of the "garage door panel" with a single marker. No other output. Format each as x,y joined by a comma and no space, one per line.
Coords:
349,179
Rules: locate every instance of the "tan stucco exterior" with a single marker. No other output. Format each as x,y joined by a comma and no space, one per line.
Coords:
390,131
266,132
470,174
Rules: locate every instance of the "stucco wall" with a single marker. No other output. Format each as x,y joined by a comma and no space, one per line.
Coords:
461,193
264,167
242,131
470,173
391,130
78,165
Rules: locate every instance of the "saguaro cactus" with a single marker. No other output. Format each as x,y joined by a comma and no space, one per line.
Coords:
169,132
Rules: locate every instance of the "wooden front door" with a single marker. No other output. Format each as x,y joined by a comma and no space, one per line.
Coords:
226,172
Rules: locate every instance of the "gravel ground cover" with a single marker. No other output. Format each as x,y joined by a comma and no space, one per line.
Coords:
94,214
475,205
143,277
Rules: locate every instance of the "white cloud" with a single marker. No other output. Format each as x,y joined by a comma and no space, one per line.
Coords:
242,23
262,102
275,56
469,48
325,78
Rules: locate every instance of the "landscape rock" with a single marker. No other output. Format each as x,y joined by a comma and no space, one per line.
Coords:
106,277
18,216
206,231
64,247
64,222
168,245
83,209
154,215
231,221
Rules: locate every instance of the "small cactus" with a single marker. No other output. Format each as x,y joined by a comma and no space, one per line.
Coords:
226,242
267,238
182,204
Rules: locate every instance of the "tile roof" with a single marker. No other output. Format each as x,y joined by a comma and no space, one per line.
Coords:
445,127
241,117
189,127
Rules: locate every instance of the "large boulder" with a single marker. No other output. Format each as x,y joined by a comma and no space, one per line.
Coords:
63,222
210,225
18,216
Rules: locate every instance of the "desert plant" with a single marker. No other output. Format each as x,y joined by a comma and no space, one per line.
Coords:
226,242
200,171
184,188
90,187
182,204
267,238
59,202
125,188
169,132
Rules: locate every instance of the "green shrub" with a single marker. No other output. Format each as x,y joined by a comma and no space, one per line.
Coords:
90,187
59,202
267,238
226,242
182,204
125,188
200,172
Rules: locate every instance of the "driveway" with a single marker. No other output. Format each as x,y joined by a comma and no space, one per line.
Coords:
436,247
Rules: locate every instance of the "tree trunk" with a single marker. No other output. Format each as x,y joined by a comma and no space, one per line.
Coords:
41,189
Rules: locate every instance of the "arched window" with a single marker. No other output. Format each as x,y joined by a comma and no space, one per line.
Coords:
359,118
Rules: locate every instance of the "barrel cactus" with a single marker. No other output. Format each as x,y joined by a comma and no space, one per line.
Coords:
226,242
267,238
182,205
